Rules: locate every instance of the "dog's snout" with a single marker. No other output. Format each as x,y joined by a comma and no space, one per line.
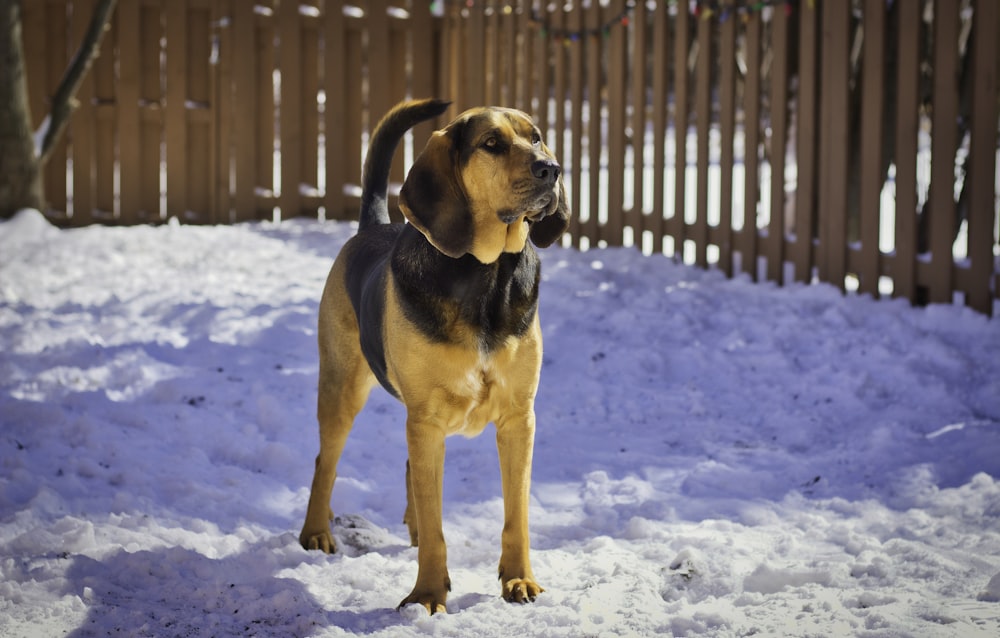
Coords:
545,170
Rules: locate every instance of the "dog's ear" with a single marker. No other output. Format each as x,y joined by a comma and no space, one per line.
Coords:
432,198
551,227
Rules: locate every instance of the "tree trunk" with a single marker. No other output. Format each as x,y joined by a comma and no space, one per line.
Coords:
20,162
20,170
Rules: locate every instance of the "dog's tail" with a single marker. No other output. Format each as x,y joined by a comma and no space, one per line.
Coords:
375,179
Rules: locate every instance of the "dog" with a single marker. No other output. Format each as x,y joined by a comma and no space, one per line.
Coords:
442,312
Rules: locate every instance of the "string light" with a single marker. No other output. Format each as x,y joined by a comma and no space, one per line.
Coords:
701,9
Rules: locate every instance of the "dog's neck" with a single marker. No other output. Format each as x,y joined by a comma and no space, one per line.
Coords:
490,302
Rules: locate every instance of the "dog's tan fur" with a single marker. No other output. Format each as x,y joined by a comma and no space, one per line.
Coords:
486,203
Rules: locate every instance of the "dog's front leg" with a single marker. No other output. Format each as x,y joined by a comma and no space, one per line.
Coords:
515,443
425,445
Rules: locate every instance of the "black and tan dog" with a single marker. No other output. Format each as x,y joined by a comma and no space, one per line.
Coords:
442,312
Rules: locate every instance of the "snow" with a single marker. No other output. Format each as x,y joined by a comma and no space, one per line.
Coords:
713,457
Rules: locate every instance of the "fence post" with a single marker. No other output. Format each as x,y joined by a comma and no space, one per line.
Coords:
676,223
834,137
775,244
871,141
982,154
904,276
806,150
944,141
746,240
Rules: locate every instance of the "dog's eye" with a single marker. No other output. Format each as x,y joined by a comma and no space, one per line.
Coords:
536,139
492,144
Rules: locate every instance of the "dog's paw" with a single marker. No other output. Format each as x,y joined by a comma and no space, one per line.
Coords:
521,590
321,540
432,598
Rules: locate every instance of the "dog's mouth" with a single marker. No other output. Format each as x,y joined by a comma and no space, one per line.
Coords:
533,209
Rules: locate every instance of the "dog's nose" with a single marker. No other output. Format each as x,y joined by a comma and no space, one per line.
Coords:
545,170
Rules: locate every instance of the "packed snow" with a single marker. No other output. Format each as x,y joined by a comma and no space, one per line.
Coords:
714,457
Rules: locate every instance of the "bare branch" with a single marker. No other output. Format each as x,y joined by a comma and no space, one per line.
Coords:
63,101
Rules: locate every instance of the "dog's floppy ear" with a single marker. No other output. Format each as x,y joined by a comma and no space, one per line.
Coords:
432,198
551,227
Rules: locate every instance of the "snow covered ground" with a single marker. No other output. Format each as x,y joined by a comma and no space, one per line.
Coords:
713,457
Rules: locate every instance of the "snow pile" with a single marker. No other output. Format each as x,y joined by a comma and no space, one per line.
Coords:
713,457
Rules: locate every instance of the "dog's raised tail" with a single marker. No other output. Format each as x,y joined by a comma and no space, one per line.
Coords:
385,138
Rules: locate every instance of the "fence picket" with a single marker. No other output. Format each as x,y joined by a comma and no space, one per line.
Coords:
129,125
806,154
727,132
774,244
616,99
941,217
872,101
746,238
676,221
654,222
982,154
81,130
703,123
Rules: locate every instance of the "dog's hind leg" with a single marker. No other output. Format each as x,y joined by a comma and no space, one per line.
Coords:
345,380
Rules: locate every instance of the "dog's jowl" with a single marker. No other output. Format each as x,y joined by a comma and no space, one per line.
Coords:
442,311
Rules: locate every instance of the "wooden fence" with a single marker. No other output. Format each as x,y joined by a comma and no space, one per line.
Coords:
217,111
849,141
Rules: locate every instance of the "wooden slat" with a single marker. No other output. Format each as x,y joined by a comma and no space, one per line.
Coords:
81,129
944,142
175,14
544,85
904,283
594,19
638,27
727,131
335,111
577,83
509,56
243,50
56,61
264,50
353,105
833,151
530,64
490,70
474,61
103,70
290,127
617,96
703,118
561,92
675,223
397,91
199,167
654,223
807,138
774,247
422,29
127,33
151,113
222,102
872,101
746,239
308,108
980,179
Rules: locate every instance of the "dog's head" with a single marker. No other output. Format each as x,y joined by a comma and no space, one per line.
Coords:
484,184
